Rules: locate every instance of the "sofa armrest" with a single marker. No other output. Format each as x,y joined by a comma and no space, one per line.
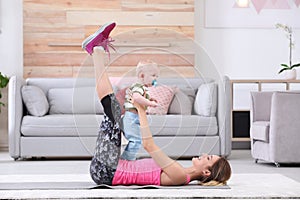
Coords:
224,116
15,114
260,107
284,137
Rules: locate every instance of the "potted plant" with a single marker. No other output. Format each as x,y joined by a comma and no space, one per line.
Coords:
3,83
290,67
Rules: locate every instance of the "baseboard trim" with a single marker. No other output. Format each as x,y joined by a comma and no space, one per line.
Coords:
241,145
3,148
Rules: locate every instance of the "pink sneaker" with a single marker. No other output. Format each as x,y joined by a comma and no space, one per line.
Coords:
99,38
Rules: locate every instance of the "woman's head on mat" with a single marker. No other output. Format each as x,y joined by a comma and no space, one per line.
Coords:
212,169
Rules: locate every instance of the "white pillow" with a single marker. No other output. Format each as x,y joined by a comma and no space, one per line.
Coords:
82,100
206,100
35,100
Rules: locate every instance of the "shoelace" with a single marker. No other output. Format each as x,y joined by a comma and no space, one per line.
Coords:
106,44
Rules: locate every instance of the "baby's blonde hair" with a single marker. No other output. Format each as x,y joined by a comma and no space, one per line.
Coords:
144,66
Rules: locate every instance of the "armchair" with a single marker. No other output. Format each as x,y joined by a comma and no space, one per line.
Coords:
275,126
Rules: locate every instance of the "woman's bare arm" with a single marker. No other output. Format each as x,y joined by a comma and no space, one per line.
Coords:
175,174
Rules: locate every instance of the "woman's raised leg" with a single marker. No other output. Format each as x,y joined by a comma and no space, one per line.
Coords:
107,153
103,84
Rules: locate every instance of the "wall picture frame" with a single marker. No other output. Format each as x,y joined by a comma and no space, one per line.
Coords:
258,14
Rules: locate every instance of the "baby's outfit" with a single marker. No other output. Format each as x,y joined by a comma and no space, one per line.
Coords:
131,122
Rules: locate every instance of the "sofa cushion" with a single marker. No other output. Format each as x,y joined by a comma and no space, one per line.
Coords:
61,125
163,95
260,130
75,125
206,100
179,125
181,103
81,100
190,93
35,100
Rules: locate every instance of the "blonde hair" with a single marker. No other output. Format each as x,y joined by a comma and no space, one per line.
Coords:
143,66
213,183
220,173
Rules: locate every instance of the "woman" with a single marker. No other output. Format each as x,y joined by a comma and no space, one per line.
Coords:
107,167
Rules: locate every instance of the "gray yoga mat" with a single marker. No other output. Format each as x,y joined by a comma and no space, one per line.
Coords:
90,185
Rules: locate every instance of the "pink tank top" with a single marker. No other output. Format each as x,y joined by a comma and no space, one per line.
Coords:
138,172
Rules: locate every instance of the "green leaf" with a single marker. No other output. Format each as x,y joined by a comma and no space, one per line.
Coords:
295,65
283,69
285,65
3,80
3,83
1,104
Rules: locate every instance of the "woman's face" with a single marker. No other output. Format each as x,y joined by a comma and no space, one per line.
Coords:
204,161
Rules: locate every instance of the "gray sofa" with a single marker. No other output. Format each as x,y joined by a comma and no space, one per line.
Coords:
59,117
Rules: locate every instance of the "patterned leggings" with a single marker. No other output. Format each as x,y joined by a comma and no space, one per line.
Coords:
105,160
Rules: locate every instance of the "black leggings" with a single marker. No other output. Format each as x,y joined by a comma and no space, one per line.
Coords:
107,153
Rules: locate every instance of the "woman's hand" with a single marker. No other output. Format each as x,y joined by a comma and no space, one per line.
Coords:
138,106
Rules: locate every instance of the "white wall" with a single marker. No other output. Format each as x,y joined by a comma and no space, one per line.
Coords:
11,37
243,53
11,52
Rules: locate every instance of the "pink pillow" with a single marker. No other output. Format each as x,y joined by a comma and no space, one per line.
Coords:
163,95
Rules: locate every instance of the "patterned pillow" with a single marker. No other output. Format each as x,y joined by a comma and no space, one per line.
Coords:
163,95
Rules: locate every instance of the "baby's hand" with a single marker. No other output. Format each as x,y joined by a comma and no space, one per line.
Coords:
153,103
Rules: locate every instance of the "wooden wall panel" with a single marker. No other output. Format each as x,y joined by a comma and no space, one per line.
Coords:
45,71
129,71
126,18
146,29
184,2
166,6
169,2
71,4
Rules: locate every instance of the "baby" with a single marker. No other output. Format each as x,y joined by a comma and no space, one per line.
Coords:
147,73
